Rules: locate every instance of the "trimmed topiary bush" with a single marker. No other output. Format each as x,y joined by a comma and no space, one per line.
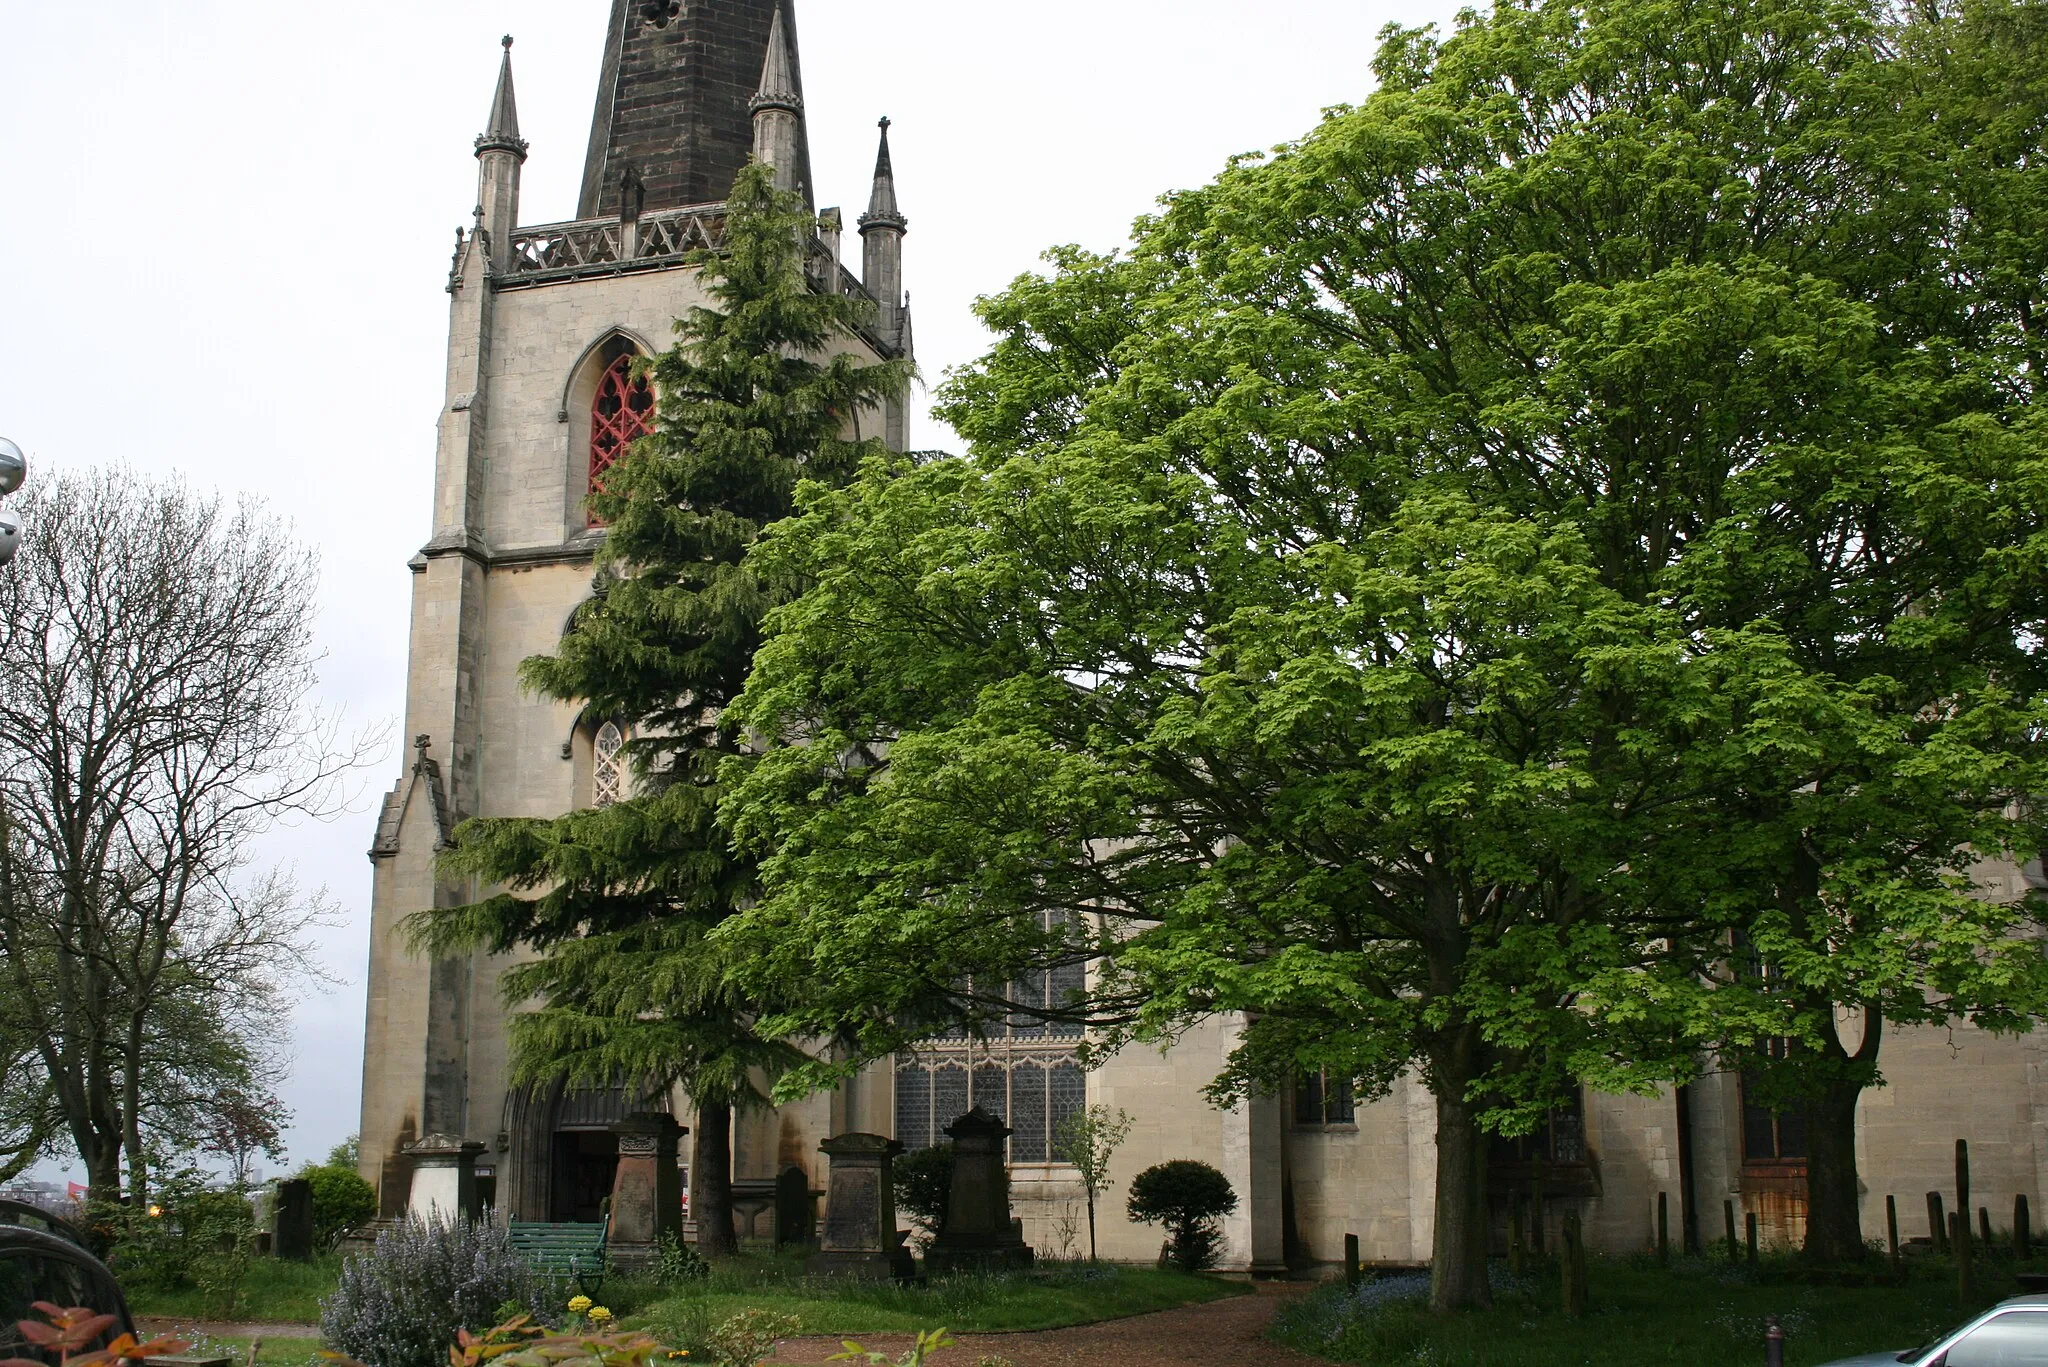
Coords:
401,1304
1186,1197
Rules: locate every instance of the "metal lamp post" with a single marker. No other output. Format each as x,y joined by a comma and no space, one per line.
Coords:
13,470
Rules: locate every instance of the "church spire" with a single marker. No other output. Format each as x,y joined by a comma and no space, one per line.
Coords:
778,110
502,133
674,100
881,232
502,152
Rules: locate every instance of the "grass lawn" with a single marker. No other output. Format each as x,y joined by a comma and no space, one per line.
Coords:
1699,1313
1045,1298
276,1292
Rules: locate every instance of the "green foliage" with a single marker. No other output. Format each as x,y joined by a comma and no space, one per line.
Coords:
193,1236
927,1343
1580,508
678,1263
274,1291
342,1201
1087,1140
347,1154
924,1187
1186,1196
749,1338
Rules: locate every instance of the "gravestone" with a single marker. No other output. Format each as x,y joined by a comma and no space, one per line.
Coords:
795,1223
647,1194
444,1178
292,1223
861,1239
979,1233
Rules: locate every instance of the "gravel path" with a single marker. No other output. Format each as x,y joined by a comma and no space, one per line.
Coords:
150,1326
1226,1331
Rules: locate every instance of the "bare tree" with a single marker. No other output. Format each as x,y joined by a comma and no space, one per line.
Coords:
156,675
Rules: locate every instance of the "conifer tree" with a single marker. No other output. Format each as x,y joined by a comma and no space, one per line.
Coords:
754,396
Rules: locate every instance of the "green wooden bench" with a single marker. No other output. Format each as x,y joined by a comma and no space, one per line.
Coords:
574,1250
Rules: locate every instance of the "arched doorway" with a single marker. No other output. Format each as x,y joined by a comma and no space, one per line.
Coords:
562,1150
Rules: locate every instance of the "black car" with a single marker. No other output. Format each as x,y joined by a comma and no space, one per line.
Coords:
35,1266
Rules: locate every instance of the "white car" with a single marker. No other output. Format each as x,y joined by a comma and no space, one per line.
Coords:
2012,1333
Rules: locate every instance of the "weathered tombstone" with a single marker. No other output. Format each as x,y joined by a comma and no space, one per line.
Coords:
292,1230
2022,1228
979,1233
1573,1268
1984,1227
1937,1223
1959,1242
647,1196
1663,1229
1891,1227
1728,1215
795,1221
1749,1226
1352,1276
861,1239
444,1177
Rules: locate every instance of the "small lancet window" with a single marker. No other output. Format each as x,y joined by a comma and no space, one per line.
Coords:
608,766
621,414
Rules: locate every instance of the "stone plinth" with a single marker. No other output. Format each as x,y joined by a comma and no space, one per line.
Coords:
979,1233
861,1239
444,1178
647,1192
292,1221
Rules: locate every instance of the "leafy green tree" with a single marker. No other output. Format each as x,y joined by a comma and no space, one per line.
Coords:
756,393
342,1201
1426,593
1088,1139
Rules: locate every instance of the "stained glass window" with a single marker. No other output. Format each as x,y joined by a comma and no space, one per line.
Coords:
621,414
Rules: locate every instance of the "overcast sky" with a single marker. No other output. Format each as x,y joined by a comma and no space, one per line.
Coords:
225,229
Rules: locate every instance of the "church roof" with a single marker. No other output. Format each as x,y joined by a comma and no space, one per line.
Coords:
674,100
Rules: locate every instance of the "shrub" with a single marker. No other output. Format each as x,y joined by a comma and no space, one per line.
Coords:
924,1186
401,1304
1186,1197
342,1200
192,1233
678,1264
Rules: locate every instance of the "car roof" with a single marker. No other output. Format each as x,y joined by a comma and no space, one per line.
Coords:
2038,1301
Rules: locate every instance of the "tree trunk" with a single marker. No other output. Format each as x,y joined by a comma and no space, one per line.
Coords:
711,1181
1457,1271
1834,1227
1091,1225
1834,1224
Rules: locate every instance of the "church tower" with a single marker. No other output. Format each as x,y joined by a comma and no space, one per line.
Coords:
546,322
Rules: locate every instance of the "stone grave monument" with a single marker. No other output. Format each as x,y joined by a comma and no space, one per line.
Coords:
979,1234
647,1193
292,1222
861,1239
796,1221
444,1178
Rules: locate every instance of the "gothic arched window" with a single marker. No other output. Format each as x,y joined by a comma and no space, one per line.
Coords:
621,414
608,766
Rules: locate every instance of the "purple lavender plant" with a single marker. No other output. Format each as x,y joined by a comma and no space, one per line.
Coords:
401,1304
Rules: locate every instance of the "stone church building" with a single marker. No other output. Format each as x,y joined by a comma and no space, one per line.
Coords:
545,323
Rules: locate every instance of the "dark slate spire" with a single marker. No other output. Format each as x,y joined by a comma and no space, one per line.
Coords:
882,211
502,133
675,97
778,73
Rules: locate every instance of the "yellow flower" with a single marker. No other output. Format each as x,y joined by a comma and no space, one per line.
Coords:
599,1313
578,1304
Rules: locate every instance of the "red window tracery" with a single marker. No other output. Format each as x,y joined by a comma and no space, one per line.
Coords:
622,413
